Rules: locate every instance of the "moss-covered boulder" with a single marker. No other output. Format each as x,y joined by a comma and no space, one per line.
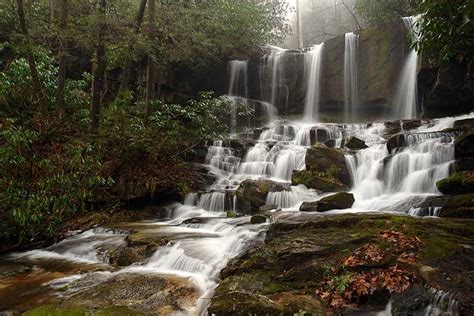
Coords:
252,194
356,143
457,183
258,219
464,146
340,251
326,170
145,293
318,181
338,201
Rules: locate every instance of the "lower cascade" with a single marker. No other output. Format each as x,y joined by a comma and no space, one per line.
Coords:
201,235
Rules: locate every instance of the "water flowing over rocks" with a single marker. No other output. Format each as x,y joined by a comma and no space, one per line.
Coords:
251,195
280,276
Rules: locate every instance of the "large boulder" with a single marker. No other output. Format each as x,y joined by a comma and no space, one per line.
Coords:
338,201
146,293
252,194
457,183
465,124
328,163
464,145
326,170
356,143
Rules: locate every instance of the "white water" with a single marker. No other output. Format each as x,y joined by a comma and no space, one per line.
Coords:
351,66
405,101
238,88
313,67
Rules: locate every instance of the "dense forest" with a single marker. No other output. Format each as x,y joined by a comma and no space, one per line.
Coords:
83,104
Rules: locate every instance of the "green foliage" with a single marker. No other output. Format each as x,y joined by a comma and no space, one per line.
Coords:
377,12
43,181
447,29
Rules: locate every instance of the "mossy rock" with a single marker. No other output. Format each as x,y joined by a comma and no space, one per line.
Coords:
314,180
356,143
252,194
328,163
50,310
338,201
280,276
451,206
464,146
258,219
457,183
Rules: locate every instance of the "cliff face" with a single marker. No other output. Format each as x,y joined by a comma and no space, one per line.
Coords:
448,89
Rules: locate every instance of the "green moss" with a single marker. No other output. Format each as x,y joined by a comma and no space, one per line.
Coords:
117,311
457,183
272,288
50,310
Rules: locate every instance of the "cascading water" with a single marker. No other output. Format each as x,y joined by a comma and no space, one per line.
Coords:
406,97
351,65
313,68
238,88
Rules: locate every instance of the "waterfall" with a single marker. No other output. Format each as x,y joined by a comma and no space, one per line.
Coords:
238,88
405,101
351,64
313,68
382,180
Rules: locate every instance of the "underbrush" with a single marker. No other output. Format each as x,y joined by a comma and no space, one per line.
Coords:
54,168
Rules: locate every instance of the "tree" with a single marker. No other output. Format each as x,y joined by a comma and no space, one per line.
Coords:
446,28
151,69
62,57
31,61
128,60
377,12
99,65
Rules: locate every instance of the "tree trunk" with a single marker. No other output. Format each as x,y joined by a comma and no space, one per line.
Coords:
32,63
99,67
128,61
151,69
52,8
63,44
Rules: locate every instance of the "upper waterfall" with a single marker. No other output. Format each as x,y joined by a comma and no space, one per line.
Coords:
313,68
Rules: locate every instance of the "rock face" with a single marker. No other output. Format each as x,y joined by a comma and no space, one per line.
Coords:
146,293
326,170
356,143
338,201
252,194
448,88
280,276
464,146
452,206
457,183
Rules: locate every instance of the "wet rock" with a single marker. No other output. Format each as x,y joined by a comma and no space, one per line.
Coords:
411,302
280,276
252,194
464,146
197,154
457,183
396,142
464,164
268,207
258,219
330,143
318,135
326,170
356,143
338,201
147,293
465,125
314,180
454,206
